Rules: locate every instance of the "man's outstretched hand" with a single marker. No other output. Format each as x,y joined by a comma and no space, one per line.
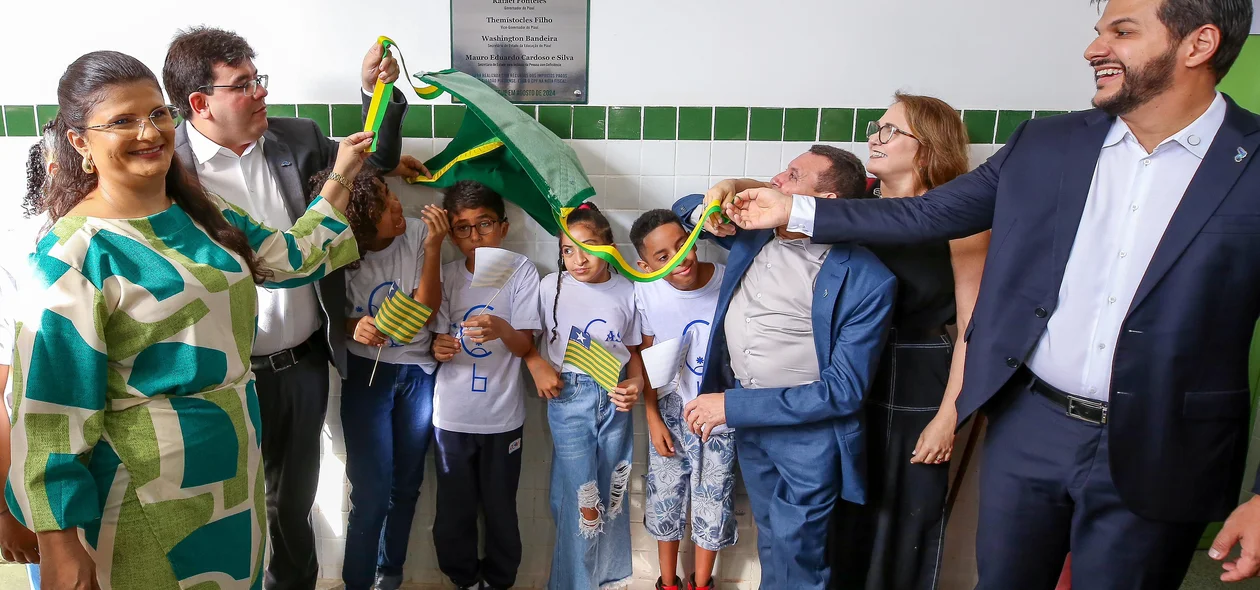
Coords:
760,208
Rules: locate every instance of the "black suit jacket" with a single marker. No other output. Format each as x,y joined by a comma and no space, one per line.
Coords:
1179,391
295,150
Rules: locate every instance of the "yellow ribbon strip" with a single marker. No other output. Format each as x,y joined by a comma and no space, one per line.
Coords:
480,150
612,256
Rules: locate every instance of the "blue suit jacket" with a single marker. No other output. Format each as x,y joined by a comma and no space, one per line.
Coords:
1179,391
852,309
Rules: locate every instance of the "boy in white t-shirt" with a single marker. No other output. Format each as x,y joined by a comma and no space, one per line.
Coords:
387,391
479,402
680,464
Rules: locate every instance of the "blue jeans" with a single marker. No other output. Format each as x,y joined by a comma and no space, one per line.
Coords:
590,469
387,427
792,476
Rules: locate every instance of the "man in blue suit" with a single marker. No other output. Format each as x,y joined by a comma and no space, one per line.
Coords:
791,365
1110,340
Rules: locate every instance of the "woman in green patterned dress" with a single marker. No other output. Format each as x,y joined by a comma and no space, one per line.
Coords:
136,429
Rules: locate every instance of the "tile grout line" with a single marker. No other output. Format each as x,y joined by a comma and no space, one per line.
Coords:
676,127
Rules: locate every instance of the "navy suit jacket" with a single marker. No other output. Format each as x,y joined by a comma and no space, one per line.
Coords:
852,309
1179,394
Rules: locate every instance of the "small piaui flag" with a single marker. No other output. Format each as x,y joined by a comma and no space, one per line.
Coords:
400,317
592,358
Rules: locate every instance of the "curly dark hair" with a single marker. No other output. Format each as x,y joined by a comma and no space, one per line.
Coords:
84,85
37,172
647,223
367,203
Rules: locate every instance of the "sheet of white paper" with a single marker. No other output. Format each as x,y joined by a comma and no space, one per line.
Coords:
494,267
663,359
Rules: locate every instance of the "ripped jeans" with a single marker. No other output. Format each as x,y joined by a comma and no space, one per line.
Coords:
590,470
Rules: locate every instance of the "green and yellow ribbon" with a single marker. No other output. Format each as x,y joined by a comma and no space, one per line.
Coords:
613,257
479,150
382,92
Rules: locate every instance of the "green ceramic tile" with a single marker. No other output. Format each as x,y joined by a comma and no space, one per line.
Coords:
1008,121
347,119
625,122
730,123
835,125
1044,114
765,124
419,121
19,121
802,124
318,113
589,122
695,123
863,117
43,114
558,119
980,125
446,119
660,123
281,110
528,109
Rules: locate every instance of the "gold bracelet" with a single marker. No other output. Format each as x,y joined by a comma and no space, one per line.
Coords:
339,179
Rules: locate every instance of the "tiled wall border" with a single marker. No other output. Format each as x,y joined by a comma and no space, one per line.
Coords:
614,122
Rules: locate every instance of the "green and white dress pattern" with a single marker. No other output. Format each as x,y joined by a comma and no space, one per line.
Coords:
135,415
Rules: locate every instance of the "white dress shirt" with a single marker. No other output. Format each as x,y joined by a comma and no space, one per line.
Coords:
1131,200
286,317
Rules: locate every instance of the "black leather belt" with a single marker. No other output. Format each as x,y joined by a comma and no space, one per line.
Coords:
282,360
1081,408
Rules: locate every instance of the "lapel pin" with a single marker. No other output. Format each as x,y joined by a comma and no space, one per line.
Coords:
287,163
1241,154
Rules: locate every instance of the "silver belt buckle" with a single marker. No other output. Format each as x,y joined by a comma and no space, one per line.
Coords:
271,359
1074,403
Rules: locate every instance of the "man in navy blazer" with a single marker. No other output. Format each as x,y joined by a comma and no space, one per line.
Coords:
263,165
805,359
1109,344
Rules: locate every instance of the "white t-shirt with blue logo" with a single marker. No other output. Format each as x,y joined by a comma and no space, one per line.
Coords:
667,313
604,311
397,266
481,390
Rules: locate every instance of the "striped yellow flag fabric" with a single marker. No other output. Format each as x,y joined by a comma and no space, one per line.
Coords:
400,317
592,358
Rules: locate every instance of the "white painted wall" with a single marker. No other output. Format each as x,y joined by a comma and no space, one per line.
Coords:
975,53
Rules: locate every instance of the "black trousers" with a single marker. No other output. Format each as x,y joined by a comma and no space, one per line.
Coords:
292,403
893,542
1045,488
477,471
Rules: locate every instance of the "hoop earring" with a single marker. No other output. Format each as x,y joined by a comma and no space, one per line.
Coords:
88,166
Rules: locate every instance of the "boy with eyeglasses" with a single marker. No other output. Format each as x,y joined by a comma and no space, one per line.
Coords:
479,399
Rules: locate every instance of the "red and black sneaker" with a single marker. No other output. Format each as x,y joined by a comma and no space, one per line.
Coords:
691,583
661,585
